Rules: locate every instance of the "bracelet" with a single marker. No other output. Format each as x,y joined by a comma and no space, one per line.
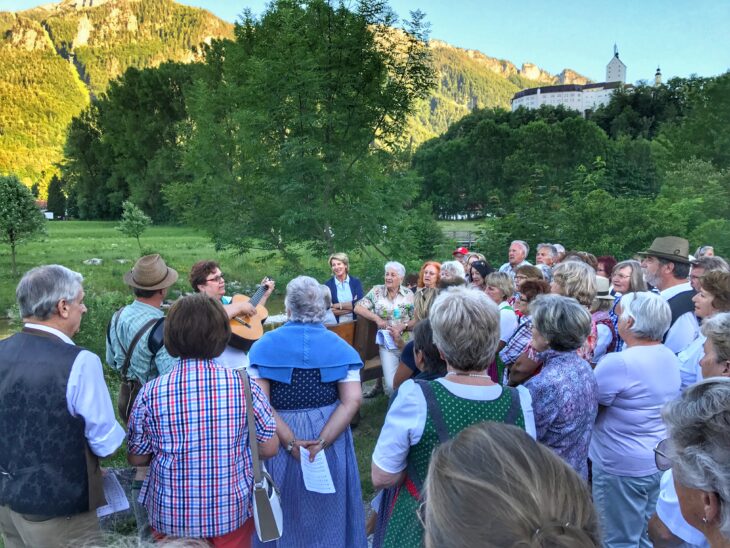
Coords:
322,443
290,445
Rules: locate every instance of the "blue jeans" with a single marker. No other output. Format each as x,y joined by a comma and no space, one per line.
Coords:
624,505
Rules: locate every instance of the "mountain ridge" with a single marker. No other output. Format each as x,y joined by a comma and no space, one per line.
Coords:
55,58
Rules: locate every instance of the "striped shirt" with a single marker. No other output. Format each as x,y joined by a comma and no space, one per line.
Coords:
193,422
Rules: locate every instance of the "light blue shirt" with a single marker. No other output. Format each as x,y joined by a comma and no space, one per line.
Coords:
344,295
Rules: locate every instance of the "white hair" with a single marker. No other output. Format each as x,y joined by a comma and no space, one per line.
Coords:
395,265
42,287
523,244
455,268
651,314
305,300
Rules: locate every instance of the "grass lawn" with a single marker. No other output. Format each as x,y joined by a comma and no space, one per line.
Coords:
70,243
460,226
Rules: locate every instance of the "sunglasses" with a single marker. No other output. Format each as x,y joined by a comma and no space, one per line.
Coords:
661,455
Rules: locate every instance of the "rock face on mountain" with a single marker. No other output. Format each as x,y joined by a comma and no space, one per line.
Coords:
57,57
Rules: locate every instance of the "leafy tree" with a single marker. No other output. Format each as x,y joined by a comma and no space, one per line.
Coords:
56,197
294,127
134,222
35,190
20,218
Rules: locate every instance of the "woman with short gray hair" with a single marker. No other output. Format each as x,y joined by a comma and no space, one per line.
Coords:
564,393
452,269
698,424
465,327
633,386
391,307
626,277
312,378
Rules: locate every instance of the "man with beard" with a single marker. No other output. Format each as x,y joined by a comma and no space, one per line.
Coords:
666,266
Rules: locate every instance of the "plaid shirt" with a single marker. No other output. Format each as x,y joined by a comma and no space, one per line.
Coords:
193,422
518,343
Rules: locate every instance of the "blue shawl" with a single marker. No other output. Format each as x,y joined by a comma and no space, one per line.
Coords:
303,346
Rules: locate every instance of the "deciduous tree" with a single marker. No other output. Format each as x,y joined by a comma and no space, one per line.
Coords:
20,218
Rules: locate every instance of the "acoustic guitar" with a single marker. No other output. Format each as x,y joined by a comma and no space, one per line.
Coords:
245,330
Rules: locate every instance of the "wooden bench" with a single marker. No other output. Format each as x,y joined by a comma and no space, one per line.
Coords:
360,334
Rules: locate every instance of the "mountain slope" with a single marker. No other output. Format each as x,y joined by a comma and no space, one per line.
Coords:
54,58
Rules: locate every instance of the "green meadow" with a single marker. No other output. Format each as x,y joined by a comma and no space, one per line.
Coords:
70,243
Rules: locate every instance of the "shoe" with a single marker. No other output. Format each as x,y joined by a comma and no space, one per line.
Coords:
374,391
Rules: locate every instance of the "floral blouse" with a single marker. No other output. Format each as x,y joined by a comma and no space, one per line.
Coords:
378,302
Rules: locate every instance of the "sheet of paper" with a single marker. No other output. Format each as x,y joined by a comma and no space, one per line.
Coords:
317,477
384,338
116,498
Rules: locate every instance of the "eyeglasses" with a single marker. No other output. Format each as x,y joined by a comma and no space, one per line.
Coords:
661,455
622,276
217,279
421,513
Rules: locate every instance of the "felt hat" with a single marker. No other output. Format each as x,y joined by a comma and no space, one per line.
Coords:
603,287
150,272
461,250
670,248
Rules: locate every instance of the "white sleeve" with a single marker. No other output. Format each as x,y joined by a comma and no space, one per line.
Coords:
353,375
527,412
682,333
253,372
507,324
403,428
87,396
667,509
604,339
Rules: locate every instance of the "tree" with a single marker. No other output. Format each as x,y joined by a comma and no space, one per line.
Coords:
134,222
20,218
56,197
296,124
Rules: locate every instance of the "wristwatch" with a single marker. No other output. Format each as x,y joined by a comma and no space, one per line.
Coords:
290,445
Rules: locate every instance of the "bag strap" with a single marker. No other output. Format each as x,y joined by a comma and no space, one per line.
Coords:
251,419
133,344
113,323
515,407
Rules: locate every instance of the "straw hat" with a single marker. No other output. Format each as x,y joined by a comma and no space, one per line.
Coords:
670,248
150,272
603,287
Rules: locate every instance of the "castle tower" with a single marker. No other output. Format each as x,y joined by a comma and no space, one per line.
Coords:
658,77
615,70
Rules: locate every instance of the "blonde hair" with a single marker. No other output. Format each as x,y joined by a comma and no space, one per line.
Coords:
577,280
501,281
342,257
494,486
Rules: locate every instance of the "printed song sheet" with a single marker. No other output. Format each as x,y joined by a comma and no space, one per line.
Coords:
317,477
115,496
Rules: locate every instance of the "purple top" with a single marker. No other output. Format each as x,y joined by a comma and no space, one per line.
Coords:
565,401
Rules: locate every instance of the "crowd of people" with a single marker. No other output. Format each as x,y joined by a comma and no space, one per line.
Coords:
580,401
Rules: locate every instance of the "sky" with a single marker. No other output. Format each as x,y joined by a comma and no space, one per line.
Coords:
683,37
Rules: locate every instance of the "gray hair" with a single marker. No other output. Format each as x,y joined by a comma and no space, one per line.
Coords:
711,264
524,245
550,247
717,329
651,314
304,300
42,287
465,327
326,295
455,268
563,322
559,247
698,425
636,282
395,265
576,279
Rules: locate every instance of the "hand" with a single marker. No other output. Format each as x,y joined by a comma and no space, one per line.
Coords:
382,324
313,446
270,285
246,309
396,330
295,454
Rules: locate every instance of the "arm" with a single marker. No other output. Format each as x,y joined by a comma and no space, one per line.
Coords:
139,460
239,309
382,479
283,433
402,374
369,315
350,393
522,369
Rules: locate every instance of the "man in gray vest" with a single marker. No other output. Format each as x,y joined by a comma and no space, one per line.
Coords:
56,419
666,266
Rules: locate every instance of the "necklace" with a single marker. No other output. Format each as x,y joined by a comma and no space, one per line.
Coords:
479,375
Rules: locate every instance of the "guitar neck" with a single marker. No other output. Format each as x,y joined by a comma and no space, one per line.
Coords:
257,296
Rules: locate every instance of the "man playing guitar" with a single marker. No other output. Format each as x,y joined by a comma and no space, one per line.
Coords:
206,277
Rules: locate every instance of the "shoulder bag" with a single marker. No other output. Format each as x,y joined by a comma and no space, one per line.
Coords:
267,513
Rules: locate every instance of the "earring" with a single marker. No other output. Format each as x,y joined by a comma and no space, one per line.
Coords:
704,519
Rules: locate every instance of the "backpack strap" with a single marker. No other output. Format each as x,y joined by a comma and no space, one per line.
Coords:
113,323
133,344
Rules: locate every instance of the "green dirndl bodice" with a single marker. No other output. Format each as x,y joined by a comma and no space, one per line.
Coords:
447,416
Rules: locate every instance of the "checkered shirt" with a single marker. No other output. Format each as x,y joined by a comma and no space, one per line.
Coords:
193,421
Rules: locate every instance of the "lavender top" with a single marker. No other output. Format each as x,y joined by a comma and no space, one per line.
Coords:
565,401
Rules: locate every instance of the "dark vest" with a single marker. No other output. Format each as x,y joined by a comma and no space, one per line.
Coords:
680,304
45,464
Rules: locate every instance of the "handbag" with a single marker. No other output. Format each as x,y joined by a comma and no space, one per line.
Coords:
267,513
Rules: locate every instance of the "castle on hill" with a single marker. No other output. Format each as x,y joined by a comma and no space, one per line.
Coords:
583,98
